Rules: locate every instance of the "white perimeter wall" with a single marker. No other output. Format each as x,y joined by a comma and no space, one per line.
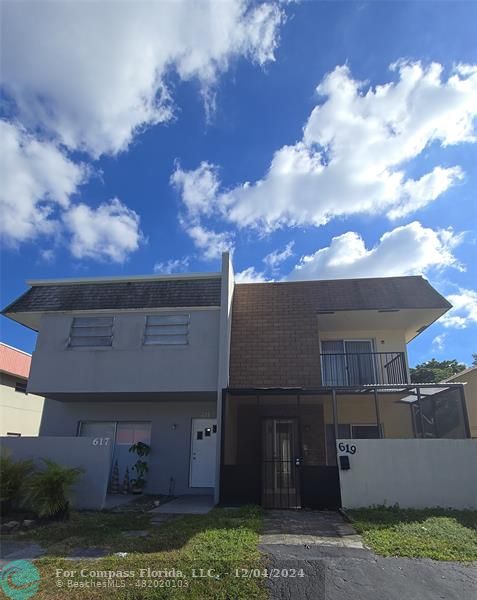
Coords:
412,473
90,490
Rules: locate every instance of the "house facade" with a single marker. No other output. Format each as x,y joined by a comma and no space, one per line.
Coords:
129,360
314,363
243,391
20,412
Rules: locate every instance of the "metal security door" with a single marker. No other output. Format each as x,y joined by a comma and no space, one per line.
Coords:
280,463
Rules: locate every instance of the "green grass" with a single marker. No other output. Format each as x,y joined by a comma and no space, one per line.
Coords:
223,540
430,533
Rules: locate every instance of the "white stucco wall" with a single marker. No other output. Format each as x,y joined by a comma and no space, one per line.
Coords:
411,473
128,366
90,490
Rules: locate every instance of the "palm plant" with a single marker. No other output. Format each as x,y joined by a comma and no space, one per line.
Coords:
13,481
49,490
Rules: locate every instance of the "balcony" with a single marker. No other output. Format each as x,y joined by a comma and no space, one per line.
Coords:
363,368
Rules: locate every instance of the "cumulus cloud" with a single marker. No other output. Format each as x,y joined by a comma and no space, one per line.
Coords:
210,243
357,145
109,232
464,309
438,343
176,265
37,180
275,258
250,275
408,250
92,74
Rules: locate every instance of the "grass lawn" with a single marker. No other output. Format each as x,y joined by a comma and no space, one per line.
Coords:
223,540
431,533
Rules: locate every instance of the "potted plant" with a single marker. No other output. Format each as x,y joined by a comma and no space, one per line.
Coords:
140,467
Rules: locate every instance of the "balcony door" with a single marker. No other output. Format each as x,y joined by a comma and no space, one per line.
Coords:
347,362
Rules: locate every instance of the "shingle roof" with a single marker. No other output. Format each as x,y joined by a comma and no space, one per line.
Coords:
118,295
378,293
14,361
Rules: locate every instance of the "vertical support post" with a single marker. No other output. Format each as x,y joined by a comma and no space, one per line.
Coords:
335,413
378,416
419,404
464,411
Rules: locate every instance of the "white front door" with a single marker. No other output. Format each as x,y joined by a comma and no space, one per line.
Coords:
203,452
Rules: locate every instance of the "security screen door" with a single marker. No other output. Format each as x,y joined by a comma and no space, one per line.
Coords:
280,463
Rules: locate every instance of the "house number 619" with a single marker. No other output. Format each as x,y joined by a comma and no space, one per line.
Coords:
101,441
348,448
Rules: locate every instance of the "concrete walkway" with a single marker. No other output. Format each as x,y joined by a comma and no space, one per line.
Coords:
186,505
334,565
301,527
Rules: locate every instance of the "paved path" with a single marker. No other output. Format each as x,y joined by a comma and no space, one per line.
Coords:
337,566
186,505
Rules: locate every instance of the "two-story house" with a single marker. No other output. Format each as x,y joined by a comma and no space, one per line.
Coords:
313,362
138,359
241,390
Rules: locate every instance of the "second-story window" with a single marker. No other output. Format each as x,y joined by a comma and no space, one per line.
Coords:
167,330
91,332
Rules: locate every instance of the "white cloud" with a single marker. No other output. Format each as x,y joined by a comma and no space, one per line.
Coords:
210,243
195,188
37,180
408,250
275,258
109,232
92,74
177,265
250,275
438,343
357,145
464,309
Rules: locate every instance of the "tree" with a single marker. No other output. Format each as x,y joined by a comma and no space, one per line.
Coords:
434,370
474,360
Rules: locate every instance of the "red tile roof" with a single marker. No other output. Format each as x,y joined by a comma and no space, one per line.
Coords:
13,361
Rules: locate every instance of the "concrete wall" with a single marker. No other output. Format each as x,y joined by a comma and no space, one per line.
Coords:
128,366
412,473
19,413
90,491
170,433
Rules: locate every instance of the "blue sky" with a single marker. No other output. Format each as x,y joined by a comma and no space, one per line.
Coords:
128,152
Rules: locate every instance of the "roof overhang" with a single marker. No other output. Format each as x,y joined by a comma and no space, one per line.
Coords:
412,321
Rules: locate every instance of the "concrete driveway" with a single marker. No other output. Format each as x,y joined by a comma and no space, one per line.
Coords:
336,566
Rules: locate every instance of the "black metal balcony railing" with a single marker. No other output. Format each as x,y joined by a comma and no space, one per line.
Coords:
363,368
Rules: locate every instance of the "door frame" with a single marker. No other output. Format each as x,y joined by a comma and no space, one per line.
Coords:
298,492
191,445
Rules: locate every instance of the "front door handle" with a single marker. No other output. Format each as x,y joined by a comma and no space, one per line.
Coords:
297,462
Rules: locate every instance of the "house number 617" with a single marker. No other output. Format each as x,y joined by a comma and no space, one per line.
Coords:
101,441
348,448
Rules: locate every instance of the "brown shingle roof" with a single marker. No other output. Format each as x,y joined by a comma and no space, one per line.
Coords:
379,293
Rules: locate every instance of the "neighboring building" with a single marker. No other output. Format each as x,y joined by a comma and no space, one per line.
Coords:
147,359
469,377
20,411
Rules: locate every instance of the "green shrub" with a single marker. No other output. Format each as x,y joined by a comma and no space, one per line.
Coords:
14,477
49,490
